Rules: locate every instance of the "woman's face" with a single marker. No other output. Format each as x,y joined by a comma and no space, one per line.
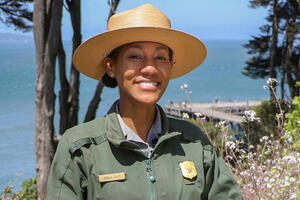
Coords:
142,71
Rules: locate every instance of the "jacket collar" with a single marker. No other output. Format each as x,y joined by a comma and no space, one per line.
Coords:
116,137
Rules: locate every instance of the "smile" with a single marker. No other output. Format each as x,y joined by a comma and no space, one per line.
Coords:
149,83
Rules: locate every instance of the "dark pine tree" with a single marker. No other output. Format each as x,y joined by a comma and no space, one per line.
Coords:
274,53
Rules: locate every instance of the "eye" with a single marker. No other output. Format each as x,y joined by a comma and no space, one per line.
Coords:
135,57
162,58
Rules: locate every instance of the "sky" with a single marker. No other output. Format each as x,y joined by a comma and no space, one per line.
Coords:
206,19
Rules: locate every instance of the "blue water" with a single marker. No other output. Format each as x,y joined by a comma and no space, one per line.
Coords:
218,77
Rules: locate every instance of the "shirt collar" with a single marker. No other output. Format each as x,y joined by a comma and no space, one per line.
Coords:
153,134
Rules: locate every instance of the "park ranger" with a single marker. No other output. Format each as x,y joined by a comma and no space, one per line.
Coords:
136,151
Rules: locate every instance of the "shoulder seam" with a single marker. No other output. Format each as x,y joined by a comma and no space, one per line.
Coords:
86,141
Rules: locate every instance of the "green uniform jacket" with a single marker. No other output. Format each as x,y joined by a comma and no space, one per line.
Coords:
100,148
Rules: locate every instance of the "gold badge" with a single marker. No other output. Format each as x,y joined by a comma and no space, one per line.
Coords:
188,169
111,177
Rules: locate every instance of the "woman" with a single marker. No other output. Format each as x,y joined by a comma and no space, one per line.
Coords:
136,151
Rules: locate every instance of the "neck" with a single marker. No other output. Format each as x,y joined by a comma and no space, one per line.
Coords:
138,117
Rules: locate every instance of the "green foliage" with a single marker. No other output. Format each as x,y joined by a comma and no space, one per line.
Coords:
259,3
209,128
28,192
217,132
266,126
267,112
292,124
16,13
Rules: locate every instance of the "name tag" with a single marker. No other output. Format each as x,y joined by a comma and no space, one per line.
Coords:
112,177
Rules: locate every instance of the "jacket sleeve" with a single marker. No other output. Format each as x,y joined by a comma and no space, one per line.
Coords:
220,183
66,180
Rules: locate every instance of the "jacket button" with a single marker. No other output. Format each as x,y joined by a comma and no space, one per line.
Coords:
152,179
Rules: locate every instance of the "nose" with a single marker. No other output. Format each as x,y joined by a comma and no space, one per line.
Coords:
149,68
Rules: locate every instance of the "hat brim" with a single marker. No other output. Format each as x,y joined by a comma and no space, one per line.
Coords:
188,51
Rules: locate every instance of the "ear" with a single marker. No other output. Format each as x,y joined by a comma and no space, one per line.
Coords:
109,66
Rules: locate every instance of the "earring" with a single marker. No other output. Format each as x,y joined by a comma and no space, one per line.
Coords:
112,76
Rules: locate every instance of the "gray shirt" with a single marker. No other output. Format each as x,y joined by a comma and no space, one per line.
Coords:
153,134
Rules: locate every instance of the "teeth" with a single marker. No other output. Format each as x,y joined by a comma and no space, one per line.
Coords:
149,83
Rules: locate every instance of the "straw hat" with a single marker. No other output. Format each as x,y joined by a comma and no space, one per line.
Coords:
144,23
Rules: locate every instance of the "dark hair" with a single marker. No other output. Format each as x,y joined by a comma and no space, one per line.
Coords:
112,82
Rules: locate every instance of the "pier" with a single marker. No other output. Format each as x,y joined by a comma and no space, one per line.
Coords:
230,111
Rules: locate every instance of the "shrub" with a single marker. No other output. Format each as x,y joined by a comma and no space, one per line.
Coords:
292,124
28,192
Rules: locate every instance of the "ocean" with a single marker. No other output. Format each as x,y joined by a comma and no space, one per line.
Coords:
218,78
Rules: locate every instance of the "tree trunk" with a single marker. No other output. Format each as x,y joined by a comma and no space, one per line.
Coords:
290,37
274,40
113,7
64,90
283,73
93,106
75,13
47,22
69,93
297,75
94,103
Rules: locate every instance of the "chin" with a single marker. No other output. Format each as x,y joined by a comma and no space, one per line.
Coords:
147,99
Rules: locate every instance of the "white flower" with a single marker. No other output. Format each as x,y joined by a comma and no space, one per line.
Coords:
231,145
266,138
292,179
221,124
250,116
242,151
290,159
229,157
198,114
184,86
203,119
270,81
289,139
185,116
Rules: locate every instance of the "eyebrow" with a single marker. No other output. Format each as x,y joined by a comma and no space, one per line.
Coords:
162,47
137,46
